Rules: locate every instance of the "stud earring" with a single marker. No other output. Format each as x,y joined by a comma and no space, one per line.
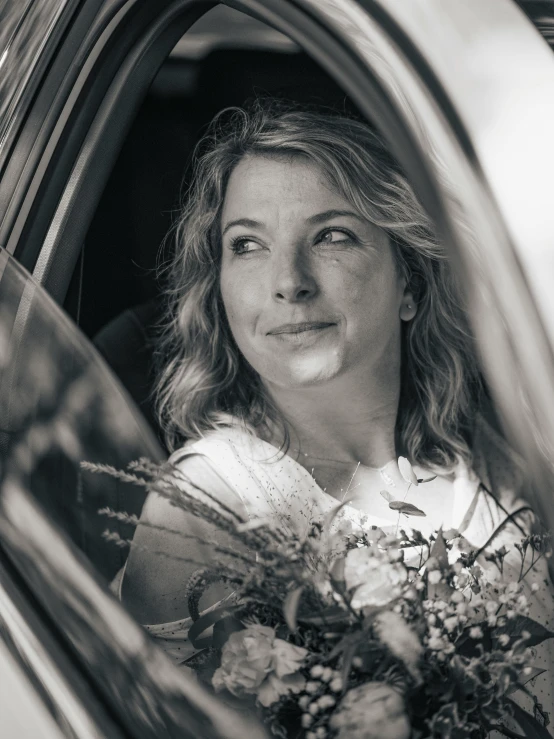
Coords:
408,311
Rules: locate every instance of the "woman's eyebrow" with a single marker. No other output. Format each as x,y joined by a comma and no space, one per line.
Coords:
246,222
328,214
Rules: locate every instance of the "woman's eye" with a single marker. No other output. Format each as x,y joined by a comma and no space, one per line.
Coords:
241,245
335,236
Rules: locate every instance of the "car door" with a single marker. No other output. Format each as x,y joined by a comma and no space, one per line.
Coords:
450,109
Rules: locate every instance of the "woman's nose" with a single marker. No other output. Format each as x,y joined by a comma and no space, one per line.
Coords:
293,280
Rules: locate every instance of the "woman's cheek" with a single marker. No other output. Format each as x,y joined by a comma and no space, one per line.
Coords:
242,302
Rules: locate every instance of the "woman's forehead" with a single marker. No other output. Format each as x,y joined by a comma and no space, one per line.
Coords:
290,181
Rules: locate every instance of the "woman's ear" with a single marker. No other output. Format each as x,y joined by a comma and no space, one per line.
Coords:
408,308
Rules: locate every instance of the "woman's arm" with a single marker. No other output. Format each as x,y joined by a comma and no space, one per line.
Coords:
157,571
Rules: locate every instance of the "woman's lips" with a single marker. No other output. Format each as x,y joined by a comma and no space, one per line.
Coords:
300,334
299,328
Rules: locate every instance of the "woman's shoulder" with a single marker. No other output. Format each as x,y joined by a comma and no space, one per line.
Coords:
224,443
253,469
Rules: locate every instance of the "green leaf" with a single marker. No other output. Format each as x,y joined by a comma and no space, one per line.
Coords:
524,679
223,630
290,607
407,471
439,550
209,619
517,625
532,729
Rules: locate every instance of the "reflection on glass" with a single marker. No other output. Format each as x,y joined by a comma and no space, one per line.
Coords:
59,405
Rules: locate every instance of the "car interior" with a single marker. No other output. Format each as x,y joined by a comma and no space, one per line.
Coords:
225,59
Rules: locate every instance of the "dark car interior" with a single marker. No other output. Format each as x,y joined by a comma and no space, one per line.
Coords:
226,59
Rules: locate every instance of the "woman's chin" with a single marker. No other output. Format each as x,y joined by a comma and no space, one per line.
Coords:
306,371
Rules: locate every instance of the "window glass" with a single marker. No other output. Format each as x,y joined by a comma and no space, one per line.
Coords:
25,27
59,406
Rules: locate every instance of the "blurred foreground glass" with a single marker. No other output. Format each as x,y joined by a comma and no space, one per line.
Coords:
60,405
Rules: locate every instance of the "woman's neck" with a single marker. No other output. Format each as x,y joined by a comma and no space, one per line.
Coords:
342,421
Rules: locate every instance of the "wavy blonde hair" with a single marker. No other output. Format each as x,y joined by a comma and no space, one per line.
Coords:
205,381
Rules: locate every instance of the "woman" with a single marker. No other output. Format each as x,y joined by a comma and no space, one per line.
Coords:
315,335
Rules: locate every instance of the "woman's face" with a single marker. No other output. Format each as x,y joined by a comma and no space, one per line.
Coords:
310,287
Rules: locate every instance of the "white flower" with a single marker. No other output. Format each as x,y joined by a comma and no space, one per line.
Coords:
327,674
375,580
436,643
451,623
326,701
254,661
371,711
393,631
435,576
273,687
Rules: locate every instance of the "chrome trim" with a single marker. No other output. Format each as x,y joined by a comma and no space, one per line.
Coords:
51,677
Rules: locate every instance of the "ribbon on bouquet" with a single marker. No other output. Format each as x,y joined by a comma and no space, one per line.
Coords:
226,615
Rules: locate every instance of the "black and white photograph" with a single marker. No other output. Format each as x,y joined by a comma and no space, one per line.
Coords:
276,369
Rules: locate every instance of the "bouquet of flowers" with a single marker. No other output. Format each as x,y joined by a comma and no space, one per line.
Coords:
352,633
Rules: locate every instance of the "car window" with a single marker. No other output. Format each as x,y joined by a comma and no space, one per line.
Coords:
25,27
60,406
